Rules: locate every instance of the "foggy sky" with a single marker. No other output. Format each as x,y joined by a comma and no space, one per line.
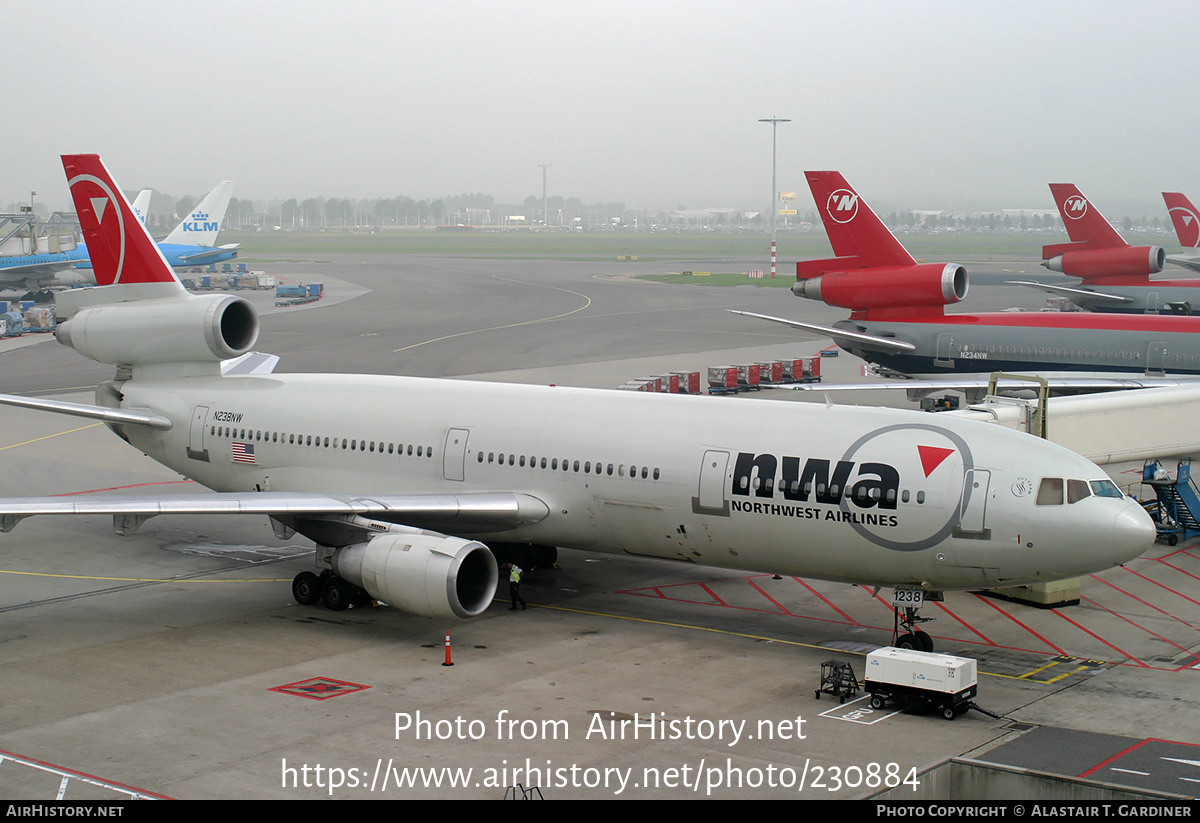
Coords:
654,104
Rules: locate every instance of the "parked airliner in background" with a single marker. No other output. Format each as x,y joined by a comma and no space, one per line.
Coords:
194,241
398,479
898,319
1115,275
191,243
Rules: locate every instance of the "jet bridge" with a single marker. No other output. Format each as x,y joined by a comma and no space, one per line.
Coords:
1109,427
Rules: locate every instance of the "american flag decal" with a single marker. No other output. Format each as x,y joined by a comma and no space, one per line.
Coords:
243,452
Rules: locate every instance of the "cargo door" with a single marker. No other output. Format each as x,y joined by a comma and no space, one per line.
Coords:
195,447
454,455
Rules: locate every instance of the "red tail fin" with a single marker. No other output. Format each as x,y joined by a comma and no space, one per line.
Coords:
854,230
1085,225
1185,219
120,248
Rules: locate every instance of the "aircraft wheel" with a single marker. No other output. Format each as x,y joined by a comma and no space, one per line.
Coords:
306,589
337,594
925,641
908,641
877,701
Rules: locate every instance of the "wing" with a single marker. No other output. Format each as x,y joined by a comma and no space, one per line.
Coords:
481,512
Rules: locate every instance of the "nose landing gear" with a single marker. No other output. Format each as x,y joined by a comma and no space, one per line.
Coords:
906,605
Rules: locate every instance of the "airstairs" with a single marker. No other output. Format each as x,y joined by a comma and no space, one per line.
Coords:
1177,506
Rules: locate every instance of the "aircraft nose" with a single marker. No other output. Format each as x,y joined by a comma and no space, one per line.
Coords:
1132,533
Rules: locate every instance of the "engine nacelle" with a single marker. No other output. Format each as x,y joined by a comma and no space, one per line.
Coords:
426,574
1126,261
925,284
191,329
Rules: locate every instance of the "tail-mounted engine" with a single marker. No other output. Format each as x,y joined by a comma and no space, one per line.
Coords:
919,286
1100,264
190,329
422,573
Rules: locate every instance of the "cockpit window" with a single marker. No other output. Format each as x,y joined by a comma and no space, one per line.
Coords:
1105,488
1077,490
1050,492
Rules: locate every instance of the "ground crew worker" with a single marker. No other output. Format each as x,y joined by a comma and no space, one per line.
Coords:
514,585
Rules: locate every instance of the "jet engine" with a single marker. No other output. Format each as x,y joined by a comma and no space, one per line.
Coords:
205,329
426,574
1126,261
925,284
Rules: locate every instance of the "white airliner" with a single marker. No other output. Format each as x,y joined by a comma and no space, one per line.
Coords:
397,479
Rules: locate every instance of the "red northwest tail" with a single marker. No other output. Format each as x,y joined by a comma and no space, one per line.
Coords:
1185,218
120,248
857,235
1096,252
1085,225
873,275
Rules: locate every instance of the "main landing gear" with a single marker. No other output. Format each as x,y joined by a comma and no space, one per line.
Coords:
336,593
908,602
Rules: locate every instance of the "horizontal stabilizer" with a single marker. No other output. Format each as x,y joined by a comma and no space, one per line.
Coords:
1082,297
970,383
838,335
253,362
121,417
209,255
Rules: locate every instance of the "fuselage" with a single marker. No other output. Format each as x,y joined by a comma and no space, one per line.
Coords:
839,493
1035,341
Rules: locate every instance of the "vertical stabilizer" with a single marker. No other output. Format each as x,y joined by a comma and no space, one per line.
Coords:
201,226
1084,223
141,205
126,260
1185,218
854,230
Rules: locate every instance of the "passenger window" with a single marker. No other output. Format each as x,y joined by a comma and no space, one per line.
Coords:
1050,492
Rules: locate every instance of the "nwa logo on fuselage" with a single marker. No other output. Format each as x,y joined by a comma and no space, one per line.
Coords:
199,222
842,206
877,484
866,495
1075,206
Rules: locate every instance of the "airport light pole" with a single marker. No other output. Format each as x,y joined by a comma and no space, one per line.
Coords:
774,121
